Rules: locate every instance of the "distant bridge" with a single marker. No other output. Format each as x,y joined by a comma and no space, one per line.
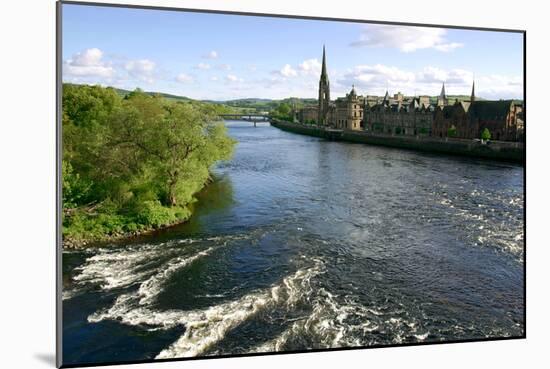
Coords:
253,118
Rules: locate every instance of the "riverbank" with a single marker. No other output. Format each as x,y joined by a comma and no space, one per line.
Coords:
69,243
125,171
93,239
496,150
118,236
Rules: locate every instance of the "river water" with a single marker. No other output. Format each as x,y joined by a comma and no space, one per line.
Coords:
302,243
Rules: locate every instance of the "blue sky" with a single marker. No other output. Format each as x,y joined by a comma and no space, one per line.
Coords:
220,56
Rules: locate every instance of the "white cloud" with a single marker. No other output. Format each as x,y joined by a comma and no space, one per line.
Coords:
142,69
286,71
203,66
310,66
184,78
374,79
211,55
88,63
499,87
452,76
406,38
446,47
213,78
368,76
224,66
233,78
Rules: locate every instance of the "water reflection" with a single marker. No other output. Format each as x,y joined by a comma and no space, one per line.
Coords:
302,243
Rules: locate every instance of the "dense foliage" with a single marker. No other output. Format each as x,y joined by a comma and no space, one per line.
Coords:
283,111
452,132
267,105
133,163
485,134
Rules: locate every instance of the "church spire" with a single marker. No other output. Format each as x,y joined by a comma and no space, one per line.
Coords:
324,68
442,99
324,94
473,96
442,94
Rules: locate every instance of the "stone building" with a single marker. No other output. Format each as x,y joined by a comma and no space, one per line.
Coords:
400,117
467,119
308,114
348,112
415,116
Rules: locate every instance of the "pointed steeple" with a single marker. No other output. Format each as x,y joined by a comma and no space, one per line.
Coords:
324,93
473,96
386,100
324,67
442,99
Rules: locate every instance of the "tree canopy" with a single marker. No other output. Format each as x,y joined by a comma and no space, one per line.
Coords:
451,132
134,163
283,112
485,134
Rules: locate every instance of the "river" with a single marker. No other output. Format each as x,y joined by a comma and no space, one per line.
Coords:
302,243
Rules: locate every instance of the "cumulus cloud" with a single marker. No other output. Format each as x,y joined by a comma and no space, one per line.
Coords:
142,69
203,66
233,78
365,76
310,66
307,68
452,76
406,38
374,79
88,63
498,87
211,55
184,78
224,66
287,71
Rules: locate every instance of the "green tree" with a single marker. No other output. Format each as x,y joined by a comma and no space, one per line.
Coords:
451,132
134,162
485,134
283,111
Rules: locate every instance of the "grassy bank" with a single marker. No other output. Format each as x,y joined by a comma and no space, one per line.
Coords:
133,164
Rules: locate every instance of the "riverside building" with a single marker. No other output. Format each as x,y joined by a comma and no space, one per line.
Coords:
416,116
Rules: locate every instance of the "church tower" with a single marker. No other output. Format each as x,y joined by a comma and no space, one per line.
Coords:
473,96
324,93
442,99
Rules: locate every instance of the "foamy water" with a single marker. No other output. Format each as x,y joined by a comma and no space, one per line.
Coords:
305,244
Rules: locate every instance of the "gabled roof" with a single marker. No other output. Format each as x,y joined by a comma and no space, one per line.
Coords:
465,105
415,103
490,109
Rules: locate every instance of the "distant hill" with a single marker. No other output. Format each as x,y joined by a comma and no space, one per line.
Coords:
255,105
261,105
123,93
